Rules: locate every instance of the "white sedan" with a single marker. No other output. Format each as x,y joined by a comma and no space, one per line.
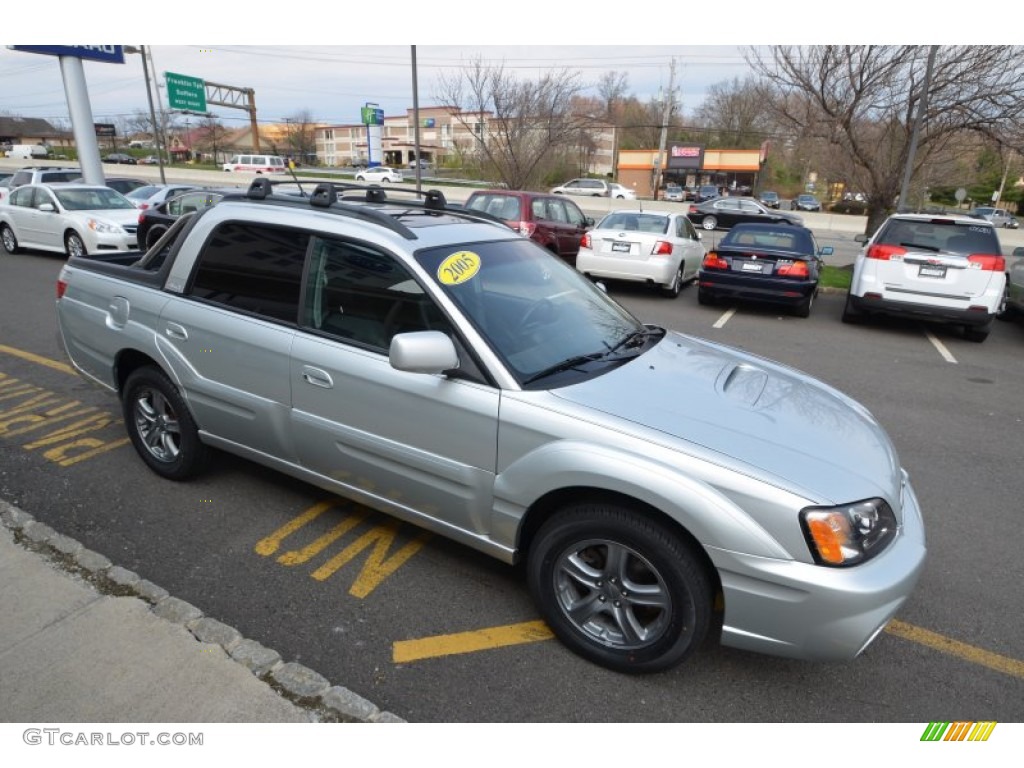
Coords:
76,219
620,192
655,247
379,173
151,195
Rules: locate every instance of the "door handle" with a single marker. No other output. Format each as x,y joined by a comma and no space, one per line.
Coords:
317,377
176,331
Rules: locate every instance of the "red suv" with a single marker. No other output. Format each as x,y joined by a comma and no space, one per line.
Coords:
549,220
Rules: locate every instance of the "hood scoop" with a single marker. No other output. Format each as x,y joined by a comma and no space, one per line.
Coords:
743,384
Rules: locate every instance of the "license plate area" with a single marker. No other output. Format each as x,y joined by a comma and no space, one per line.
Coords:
620,247
935,271
752,266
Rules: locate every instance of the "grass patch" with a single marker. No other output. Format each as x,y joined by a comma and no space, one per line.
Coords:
836,277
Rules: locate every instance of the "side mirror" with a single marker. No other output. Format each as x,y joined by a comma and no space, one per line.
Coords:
588,221
47,208
827,250
861,238
423,352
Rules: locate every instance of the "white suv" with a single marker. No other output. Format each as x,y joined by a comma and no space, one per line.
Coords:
946,268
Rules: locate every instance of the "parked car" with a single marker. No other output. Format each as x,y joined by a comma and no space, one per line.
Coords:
76,219
769,199
999,217
154,221
45,174
584,187
423,164
552,222
620,192
122,184
774,263
655,487
149,160
655,247
940,268
674,193
725,212
151,195
119,158
706,192
806,203
380,173
1014,307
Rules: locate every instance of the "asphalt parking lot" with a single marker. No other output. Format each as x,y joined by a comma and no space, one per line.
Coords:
435,632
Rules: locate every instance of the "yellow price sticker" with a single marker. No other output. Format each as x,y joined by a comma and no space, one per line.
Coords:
458,268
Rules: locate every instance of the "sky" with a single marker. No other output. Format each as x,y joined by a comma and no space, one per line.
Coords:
332,82
305,69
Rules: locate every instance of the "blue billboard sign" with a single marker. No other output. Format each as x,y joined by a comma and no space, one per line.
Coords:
111,54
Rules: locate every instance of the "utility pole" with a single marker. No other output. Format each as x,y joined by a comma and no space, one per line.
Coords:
668,105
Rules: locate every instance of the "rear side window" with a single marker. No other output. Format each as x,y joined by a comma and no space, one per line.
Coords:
253,268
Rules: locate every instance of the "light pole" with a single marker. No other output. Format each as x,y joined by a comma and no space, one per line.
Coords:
152,110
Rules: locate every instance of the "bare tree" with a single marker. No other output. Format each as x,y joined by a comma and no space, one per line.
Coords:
612,88
211,136
862,102
519,126
301,136
735,114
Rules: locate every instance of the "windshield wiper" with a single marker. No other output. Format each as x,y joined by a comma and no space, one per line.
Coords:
636,339
565,365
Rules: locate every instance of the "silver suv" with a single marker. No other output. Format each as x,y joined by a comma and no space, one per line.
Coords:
44,175
434,364
940,268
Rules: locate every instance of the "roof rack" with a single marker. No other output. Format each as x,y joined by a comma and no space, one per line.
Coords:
331,196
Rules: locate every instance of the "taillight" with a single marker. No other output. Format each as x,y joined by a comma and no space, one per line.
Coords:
885,252
987,261
526,228
662,248
795,269
141,217
61,287
713,261
585,241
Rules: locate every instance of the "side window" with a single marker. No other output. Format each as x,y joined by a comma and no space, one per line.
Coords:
574,214
22,197
362,295
556,211
539,209
253,268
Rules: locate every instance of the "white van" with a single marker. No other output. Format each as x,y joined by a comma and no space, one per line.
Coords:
28,151
256,164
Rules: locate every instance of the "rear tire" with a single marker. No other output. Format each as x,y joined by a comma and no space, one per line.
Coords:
620,588
671,290
709,223
705,298
160,425
9,240
803,309
851,314
977,333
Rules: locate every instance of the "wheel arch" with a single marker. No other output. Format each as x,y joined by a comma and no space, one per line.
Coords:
130,360
550,503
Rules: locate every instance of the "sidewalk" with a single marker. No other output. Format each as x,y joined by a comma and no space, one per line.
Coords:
83,640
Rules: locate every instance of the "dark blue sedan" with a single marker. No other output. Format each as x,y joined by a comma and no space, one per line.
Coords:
773,263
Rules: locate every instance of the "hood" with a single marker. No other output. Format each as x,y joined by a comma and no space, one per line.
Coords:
810,437
120,216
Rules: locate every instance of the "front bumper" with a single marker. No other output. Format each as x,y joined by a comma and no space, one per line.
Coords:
812,612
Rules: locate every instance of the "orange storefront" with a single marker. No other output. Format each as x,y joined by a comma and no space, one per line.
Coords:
722,167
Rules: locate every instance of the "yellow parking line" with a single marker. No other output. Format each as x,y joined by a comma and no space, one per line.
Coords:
974,655
38,359
470,642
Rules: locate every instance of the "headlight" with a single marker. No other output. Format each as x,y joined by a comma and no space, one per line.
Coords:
850,533
98,225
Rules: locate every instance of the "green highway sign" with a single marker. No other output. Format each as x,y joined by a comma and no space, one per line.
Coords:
184,92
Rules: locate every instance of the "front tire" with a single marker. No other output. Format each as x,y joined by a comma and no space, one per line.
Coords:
619,588
160,425
73,245
9,240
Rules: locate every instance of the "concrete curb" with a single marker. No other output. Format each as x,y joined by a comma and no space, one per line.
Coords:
294,682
